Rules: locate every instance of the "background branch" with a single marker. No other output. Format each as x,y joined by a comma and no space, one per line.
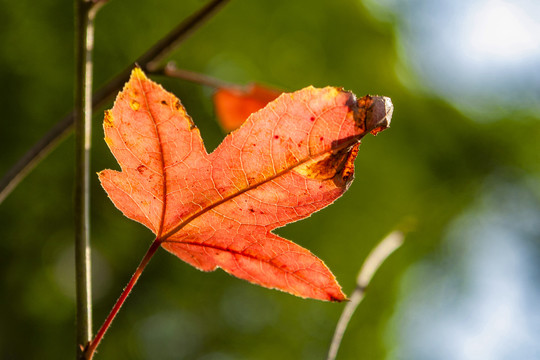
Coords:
171,70
372,263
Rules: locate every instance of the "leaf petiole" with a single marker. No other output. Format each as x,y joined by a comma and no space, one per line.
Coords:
91,348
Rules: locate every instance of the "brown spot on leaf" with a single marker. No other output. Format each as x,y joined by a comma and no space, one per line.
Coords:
134,104
360,112
141,168
373,113
164,102
337,165
364,102
290,158
180,108
108,121
348,168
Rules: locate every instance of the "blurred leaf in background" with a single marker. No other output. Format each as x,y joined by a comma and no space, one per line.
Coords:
462,158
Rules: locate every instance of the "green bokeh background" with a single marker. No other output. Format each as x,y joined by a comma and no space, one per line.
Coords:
429,167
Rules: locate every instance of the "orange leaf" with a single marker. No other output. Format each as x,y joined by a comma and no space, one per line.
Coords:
233,106
288,160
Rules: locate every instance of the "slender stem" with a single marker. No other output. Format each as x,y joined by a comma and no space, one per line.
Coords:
89,353
372,263
60,130
83,125
171,70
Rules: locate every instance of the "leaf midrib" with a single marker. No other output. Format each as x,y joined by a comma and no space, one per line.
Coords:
161,154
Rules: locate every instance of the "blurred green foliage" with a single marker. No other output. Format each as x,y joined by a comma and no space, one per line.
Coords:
428,166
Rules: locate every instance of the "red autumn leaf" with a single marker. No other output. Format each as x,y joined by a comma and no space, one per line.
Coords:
288,160
234,105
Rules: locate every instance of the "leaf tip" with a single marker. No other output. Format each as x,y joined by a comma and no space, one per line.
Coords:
100,175
335,293
340,298
137,73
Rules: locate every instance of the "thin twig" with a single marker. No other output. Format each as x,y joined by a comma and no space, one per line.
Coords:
148,61
372,263
171,70
85,13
